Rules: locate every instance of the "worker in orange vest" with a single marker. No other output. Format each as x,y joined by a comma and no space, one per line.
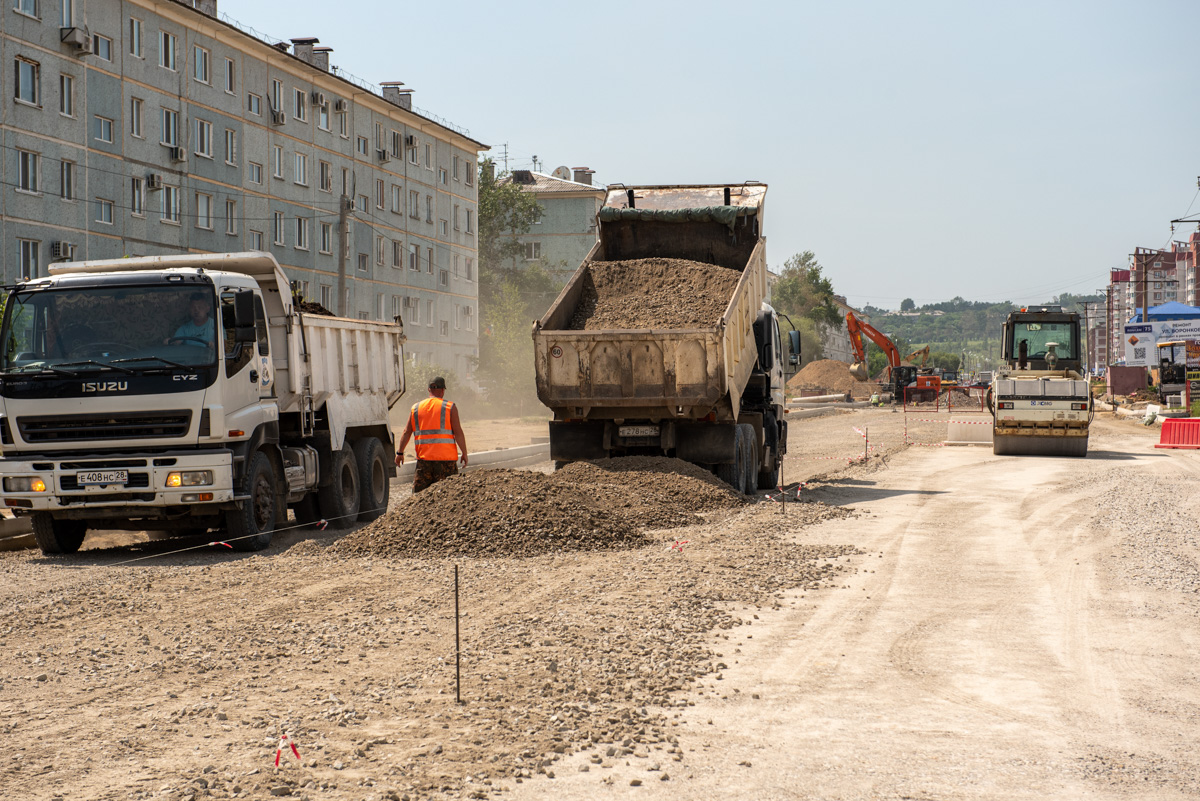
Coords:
437,435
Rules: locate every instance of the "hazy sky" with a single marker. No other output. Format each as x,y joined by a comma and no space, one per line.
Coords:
921,149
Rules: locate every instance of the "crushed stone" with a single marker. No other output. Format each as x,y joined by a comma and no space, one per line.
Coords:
653,293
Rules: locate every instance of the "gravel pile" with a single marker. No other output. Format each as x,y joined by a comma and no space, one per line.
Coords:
831,376
491,513
653,293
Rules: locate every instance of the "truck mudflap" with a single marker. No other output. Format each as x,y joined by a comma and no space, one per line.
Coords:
77,482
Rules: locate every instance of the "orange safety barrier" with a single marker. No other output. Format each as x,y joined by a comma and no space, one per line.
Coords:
1180,432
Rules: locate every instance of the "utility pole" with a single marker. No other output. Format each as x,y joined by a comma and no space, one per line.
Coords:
344,206
504,155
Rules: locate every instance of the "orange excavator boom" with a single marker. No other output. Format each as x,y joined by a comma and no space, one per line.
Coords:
858,329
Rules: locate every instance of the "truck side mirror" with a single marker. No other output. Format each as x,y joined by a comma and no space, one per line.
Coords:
243,316
794,342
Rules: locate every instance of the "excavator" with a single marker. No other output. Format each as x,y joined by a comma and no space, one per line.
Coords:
900,375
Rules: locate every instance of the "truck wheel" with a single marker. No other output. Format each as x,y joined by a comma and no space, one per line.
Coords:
250,527
338,502
751,457
373,478
57,536
769,478
734,474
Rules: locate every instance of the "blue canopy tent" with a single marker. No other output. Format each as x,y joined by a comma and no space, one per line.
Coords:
1169,311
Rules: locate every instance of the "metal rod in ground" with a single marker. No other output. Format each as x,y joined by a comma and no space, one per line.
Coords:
866,443
457,652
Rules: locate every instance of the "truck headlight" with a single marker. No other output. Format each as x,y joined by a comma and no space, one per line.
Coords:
24,484
190,478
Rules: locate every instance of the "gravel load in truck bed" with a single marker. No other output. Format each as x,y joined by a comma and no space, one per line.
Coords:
653,293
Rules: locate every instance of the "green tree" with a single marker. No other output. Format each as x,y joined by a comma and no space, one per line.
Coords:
810,340
505,366
907,305
802,291
506,211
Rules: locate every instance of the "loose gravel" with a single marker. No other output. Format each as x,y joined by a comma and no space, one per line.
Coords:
653,293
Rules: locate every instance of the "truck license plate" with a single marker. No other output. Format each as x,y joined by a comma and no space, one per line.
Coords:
637,431
103,477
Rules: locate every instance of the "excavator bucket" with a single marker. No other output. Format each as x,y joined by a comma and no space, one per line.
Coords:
859,371
1014,445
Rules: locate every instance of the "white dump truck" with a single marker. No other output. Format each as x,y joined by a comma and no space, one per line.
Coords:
1040,400
712,395
186,393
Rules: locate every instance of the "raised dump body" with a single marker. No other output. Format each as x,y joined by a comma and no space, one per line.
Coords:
710,392
182,393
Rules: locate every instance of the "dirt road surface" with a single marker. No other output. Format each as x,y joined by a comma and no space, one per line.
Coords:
934,623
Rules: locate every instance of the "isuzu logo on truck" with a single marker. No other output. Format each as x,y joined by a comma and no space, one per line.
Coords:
105,386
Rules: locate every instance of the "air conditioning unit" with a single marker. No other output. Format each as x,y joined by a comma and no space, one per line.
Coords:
77,38
339,105
410,141
62,250
382,155
154,181
278,117
177,154
318,98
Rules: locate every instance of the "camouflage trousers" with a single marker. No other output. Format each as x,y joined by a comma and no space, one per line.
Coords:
430,471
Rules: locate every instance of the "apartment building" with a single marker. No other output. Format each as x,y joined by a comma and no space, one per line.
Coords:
566,231
141,127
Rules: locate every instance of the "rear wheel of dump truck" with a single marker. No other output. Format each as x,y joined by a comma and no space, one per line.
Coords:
750,485
57,536
339,500
374,481
250,527
769,478
734,474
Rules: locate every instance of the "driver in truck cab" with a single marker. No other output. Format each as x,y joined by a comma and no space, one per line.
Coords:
199,325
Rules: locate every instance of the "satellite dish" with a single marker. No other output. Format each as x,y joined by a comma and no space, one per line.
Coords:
563,173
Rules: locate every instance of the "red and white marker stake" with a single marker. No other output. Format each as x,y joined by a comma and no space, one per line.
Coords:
678,546
283,739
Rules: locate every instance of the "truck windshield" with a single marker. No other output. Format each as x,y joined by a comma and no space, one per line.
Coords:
126,328
1038,335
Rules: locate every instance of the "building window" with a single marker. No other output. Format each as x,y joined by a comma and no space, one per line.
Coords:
442,176
397,306
277,160
444,277
414,204
396,199
302,233
429,312
414,258
66,180
230,76
66,95
428,208
170,204
29,82
397,254
204,211
323,116
230,146
363,145
469,314
254,104
456,265
102,47
67,17
429,260
456,168
470,269
277,227
301,169
363,200
102,129
104,211
231,217
533,251
166,50
27,7
456,228
326,295
137,197
345,181
204,138
170,127
397,144
256,240
135,37
412,155
276,96
344,124
379,192
29,169
300,104
30,257
428,158
444,328
469,177
326,170
326,237
470,221
379,245
255,172
445,227
135,117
